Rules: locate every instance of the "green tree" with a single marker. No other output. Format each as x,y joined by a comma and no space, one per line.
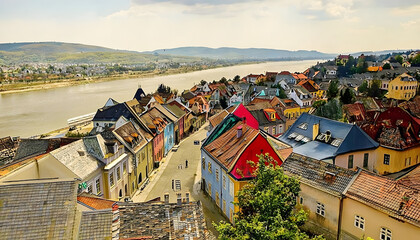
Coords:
237,78
163,88
386,66
399,59
332,91
267,206
203,82
347,97
375,89
223,80
332,110
416,60
364,87
318,103
282,93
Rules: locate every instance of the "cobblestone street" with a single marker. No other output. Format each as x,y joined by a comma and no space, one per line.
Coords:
174,168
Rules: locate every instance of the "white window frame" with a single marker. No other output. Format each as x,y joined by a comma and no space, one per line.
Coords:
231,188
385,234
359,222
320,209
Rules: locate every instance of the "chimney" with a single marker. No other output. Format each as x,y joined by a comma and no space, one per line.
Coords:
178,199
315,130
239,131
166,197
187,197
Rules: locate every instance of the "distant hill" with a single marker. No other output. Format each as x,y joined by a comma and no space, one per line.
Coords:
59,52
377,53
242,53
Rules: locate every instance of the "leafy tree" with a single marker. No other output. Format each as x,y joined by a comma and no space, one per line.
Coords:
375,89
163,88
364,87
386,66
223,102
203,82
223,80
318,103
399,59
347,97
282,93
267,206
332,110
332,91
237,78
416,60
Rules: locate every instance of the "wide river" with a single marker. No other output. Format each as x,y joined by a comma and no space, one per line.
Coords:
30,113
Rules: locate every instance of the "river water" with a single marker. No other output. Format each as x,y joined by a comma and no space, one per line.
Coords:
30,113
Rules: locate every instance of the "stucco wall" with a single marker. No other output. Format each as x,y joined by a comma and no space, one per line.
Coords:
374,221
397,159
358,158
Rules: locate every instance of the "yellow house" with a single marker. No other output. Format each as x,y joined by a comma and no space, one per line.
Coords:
403,87
138,142
322,186
380,208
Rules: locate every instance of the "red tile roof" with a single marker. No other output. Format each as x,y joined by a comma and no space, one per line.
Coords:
96,202
228,146
218,118
412,179
386,195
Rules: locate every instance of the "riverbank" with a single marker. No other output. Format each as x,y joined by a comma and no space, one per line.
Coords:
51,84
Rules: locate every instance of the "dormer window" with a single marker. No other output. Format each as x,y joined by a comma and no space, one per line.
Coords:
303,126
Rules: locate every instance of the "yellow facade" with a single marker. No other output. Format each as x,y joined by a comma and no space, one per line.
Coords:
374,221
397,161
308,199
403,87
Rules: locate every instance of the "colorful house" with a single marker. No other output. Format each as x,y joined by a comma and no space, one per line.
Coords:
321,196
313,88
381,208
168,135
179,114
403,87
225,160
152,120
139,145
398,135
338,143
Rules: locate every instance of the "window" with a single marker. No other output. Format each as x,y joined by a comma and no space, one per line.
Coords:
118,173
408,161
385,234
300,200
111,179
217,174
209,167
89,188
274,131
320,209
98,186
303,126
224,206
209,189
217,199
224,181
359,222
231,214
386,159
350,163
366,160
124,167
203,163
231,189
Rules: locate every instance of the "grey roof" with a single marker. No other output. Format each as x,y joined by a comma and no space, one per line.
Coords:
262,119
165,112
95,146
349,137
162,221
31,147
76,158
175,110
318,174
96,224
40,209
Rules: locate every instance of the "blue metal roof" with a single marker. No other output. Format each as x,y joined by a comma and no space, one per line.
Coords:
352,137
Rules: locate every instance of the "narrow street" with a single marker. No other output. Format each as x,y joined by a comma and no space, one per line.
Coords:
174,168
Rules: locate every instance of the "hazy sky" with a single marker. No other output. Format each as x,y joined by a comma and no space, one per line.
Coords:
334,26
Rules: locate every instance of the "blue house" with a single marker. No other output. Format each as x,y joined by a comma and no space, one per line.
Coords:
168,133
342,144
